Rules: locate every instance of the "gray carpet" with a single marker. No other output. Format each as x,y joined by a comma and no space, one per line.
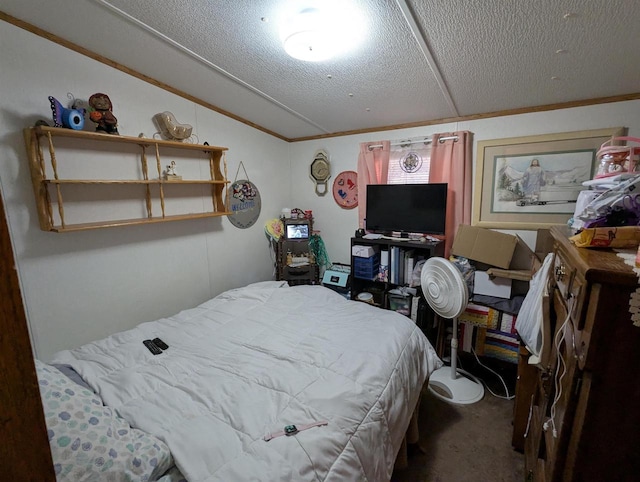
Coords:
463,443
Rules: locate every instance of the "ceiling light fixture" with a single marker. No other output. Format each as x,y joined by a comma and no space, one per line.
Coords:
309,36
319,31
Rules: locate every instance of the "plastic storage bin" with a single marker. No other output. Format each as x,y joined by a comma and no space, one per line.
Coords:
366,268
400,303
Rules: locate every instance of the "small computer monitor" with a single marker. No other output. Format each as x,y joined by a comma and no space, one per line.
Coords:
297,231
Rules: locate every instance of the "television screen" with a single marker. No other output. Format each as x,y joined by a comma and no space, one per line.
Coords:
406,208
297,231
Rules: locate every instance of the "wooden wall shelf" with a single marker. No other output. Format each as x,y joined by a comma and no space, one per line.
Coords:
48,190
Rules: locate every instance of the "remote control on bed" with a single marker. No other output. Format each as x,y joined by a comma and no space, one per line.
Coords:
161,344
153,348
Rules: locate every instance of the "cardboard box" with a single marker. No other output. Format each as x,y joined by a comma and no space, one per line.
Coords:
544,246
483,284
502,255
363,251
523,258
486,246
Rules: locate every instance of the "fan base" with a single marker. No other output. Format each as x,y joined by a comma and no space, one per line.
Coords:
462,390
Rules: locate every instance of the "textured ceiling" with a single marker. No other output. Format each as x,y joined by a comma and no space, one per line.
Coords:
422,60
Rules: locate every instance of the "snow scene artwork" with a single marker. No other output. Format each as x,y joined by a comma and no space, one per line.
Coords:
540,183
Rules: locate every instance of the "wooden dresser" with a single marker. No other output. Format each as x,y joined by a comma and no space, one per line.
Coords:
595,406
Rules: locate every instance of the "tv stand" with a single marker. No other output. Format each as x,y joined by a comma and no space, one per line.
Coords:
395,234
380,289
416,239
294,261
395,238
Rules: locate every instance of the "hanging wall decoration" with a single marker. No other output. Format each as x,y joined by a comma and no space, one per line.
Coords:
245,203
321,171
169,127
411,162
345,189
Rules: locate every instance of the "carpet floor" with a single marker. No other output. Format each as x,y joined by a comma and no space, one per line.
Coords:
464,443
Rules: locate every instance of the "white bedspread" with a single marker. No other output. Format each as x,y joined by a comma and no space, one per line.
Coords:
255,359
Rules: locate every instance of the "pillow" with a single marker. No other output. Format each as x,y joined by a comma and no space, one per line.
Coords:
73,375
89,441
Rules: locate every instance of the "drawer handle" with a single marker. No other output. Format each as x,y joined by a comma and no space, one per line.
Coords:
560,272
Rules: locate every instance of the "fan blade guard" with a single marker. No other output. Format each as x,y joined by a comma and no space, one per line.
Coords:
444,287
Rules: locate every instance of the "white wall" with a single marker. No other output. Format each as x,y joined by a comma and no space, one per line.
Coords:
81,286
337,225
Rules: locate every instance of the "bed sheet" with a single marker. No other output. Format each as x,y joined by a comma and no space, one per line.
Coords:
255,359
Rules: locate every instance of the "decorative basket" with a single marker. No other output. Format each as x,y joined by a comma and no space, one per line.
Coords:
614,160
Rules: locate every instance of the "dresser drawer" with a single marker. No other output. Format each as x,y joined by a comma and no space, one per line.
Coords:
302,275
573,338
570,284
571,297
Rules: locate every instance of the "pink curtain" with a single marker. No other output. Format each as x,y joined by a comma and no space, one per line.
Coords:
373,166
451,163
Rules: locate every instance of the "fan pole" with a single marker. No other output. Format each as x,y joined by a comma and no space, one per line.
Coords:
454,350
452,384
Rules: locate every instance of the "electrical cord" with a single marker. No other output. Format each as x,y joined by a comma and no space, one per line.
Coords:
506,390
558,339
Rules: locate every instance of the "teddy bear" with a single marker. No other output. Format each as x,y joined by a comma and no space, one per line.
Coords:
102,114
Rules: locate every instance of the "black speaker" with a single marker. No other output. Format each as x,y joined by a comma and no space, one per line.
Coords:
359,233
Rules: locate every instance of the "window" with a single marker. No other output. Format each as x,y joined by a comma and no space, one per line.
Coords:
409,164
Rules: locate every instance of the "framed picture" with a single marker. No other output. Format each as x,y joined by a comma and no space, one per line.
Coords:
533,182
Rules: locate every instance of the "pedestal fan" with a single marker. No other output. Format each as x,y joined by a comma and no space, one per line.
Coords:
446,292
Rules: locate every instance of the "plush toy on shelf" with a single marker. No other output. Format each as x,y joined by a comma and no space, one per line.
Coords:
72,118
102,114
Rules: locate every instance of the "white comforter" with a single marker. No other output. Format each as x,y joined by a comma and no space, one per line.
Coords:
255,359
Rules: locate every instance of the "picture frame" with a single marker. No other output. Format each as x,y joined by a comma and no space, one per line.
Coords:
533,182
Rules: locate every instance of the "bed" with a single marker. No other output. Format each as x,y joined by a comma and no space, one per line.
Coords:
240,370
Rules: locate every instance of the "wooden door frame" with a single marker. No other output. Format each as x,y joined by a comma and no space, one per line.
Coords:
25,448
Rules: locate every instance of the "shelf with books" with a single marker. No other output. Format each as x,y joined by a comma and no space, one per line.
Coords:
394,279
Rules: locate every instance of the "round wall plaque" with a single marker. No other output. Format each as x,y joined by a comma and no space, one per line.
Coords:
245,204
345,189
411,162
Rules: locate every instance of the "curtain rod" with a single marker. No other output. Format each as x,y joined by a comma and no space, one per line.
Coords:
408,142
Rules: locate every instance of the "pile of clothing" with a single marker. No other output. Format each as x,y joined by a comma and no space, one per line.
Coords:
612,198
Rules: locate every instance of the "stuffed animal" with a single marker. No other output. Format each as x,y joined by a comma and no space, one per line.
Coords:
72,118
102,114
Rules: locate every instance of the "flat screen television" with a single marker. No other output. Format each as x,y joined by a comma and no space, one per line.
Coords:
297,231
406,208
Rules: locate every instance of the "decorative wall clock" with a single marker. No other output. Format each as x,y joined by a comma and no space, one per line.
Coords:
244,202
345,189
321,171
